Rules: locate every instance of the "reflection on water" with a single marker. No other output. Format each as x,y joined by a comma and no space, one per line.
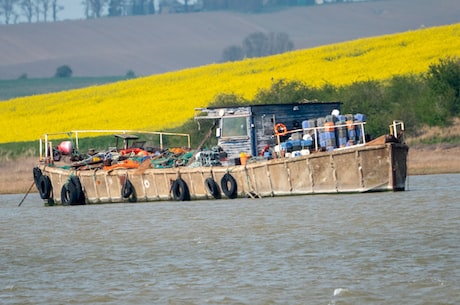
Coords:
381,248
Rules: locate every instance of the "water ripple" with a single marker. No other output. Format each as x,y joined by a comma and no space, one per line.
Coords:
384,248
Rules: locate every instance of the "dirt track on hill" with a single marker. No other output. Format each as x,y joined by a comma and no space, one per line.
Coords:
16,176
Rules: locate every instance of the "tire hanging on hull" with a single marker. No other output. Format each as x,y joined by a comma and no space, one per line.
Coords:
212,188
128,191
180,190
72,192
229,186
42,183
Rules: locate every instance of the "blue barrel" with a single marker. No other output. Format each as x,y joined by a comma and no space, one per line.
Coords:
360,117
331,118
330,138
341,131
342,135
309,124
306,143
286,146
321,132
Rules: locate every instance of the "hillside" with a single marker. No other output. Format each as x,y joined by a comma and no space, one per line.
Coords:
160,43
167,100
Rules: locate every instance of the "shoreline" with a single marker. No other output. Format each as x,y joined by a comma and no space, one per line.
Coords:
16,175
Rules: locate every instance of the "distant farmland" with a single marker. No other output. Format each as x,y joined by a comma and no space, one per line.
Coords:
167,100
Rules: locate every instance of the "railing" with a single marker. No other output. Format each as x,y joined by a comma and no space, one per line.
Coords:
46,146
397,130
315,132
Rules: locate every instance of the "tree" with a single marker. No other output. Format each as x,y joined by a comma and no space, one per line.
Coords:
285,92
279,43
63,72
212,5
140,7
444,80
256,45
37,11
232,53
228,100
55,8
7,9
259,44
130,74
28,8
45,7
115,8
251,6
94,8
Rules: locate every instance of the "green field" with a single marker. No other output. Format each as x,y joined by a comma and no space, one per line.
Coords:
26,87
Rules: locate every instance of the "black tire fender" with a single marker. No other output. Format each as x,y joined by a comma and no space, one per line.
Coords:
44,187
180,190
229,186
127,189
72,192
212,188
37,173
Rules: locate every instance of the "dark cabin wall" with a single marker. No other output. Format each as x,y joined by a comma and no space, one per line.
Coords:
261,122
267,116
292,115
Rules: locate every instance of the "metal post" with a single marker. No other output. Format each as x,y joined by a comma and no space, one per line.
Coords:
46,147
41,150
76,140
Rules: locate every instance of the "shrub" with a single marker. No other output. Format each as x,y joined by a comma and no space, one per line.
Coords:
232,53
130,74
259,44
443,79
63,71
228,100
285,92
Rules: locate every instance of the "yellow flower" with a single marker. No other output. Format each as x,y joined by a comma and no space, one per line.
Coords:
167,100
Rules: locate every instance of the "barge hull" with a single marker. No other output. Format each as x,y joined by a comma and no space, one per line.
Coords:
358,169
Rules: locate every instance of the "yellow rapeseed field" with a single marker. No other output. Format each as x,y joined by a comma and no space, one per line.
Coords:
167,100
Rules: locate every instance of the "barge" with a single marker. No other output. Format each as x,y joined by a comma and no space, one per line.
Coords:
260,151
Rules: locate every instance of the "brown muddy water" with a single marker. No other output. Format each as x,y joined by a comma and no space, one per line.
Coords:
382,248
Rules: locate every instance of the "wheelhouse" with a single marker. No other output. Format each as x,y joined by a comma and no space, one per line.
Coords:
250,128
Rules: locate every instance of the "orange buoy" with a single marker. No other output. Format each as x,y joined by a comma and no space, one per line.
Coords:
280,129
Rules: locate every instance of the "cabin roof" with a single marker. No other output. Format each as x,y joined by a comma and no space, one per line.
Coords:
126,136
304,102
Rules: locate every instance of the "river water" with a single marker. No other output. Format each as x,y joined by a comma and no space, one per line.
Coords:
380,248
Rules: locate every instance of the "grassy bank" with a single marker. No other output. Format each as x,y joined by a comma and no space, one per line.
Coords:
27,87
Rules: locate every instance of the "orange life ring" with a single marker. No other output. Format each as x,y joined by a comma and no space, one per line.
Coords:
280,129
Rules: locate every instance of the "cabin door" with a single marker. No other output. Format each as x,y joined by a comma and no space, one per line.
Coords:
264,134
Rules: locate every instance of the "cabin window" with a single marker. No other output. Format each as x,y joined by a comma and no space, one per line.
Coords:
234,127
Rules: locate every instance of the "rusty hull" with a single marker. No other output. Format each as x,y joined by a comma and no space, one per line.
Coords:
357,169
